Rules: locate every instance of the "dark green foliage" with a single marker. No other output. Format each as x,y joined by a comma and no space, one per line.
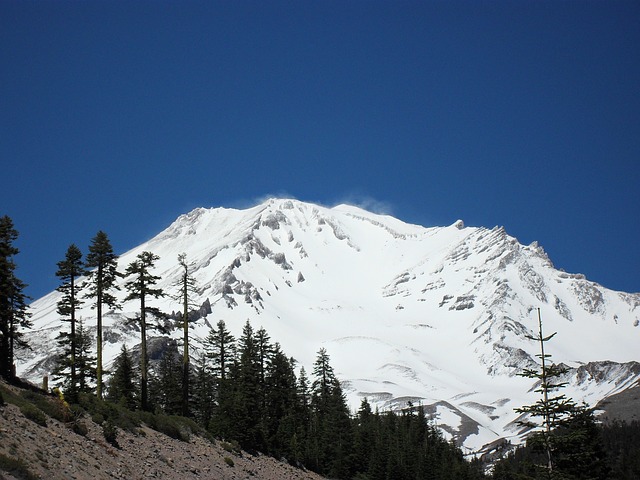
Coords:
246,410
187,286
101,280
13,306
101,411
622,443
34,414
83,360
165,385
51,405
141,287
110,433
565,440
16,467
123,382
203,392
69,270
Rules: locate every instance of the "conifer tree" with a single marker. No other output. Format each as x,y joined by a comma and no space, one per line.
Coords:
165,391
564,431
13,306
141,287
331,426
220,351
249,411
220,348
85,362
204,391
265,350
551,409
280,403
187,285
123,382
101,280
86,368
69,270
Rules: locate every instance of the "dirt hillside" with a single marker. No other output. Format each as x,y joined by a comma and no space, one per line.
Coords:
55,452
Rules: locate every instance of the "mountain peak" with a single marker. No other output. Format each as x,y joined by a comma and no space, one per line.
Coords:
438,315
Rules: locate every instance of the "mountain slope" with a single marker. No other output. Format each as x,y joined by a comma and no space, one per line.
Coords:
435,315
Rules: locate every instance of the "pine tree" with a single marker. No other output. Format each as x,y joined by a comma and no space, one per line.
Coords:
69,270
220,348
123,382
187,286
165,390
204,391
221,352
265,350
280,404
331,427
141,287
86,370
564,430
13,306
101,280
248,412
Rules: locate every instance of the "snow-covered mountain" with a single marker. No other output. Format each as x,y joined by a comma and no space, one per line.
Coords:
437,315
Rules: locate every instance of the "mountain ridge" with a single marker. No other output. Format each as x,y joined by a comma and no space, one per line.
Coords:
437,315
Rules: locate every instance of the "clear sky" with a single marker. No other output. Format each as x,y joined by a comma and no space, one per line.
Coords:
121,115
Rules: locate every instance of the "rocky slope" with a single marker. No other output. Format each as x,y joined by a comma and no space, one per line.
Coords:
55,452
440,315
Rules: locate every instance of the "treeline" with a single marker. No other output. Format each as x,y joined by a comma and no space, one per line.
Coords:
247,391
614,454
243,390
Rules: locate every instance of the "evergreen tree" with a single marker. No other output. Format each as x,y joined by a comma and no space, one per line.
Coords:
564,430
187,285
220,348
330,434
204,392
69,270
123,382
280,414
221,352
101,280
85,362
141,287
247,398
13,307
165,389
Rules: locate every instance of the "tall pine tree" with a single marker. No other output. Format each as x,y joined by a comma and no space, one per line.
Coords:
187,286
69,270
101,281
141,287
13,306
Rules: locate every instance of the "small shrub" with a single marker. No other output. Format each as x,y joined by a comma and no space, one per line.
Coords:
231,447
97,418
1,399
229,461
53,407
34,414
79,427
110,433
16,467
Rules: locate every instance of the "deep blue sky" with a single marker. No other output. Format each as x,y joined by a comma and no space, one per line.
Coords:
121,115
